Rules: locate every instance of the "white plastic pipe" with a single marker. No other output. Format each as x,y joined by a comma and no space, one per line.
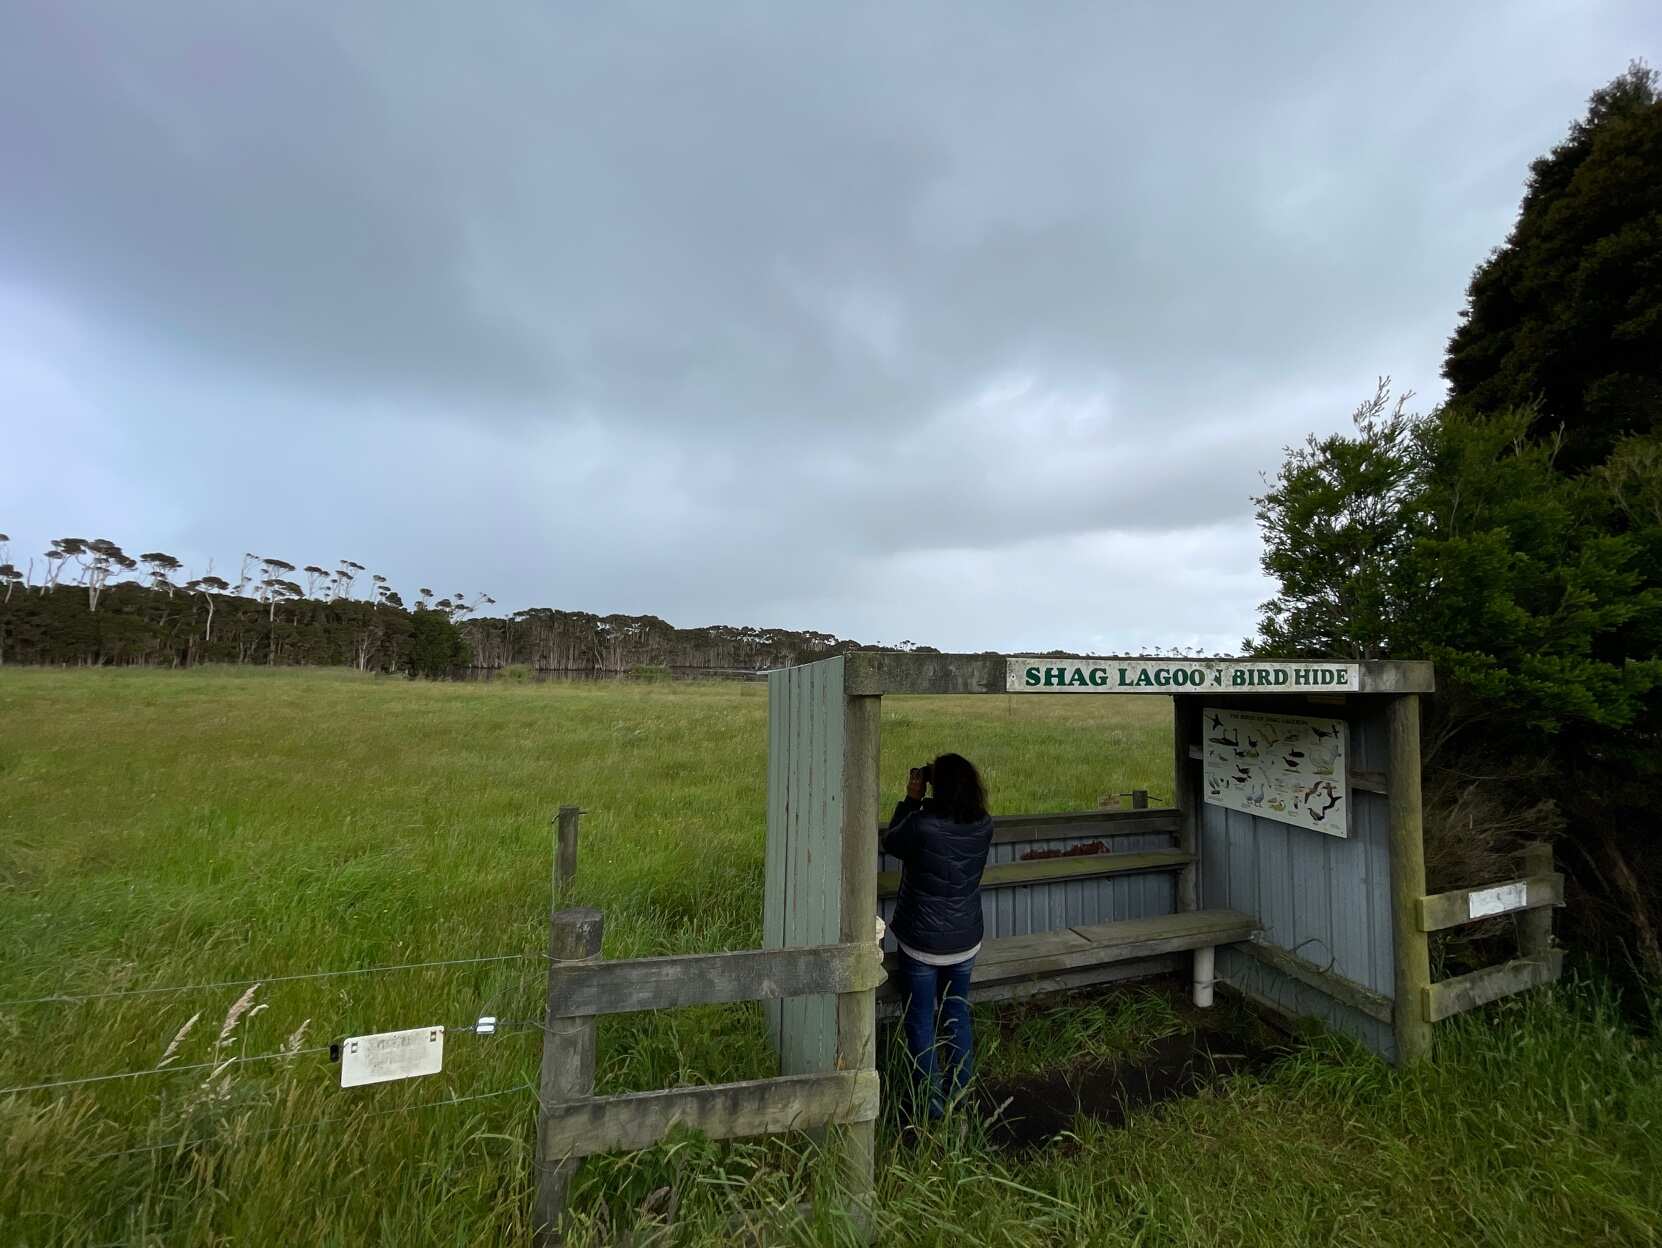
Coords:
1203,977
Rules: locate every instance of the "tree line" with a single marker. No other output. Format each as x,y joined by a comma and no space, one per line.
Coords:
93,604
1514,536
88,603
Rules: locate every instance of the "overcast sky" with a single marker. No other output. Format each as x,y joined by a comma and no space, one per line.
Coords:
969,324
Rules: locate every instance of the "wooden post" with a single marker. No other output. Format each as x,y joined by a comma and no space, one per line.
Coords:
1185,713
567,1060
565,847
1410,945
1535,926
857,1011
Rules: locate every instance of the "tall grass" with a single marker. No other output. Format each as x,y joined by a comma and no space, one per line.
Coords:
182,828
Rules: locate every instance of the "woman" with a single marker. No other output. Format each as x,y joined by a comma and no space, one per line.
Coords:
942,845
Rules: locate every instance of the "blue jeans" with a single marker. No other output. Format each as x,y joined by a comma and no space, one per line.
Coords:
925,990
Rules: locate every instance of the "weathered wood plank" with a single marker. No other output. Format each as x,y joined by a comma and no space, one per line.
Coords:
1081,825
1345,991
1451,909
1216,927
888,997
825,851
1100,944
1085,825
1398,676
874,671
1411,952
1213,920
620,987
1032,945
1050,870
567,1071
565,847
1368,781
857,1006
1185,721
725,1111
796,838
1466,992
775,853
1535,927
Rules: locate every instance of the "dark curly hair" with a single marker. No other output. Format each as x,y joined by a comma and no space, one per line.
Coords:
959,794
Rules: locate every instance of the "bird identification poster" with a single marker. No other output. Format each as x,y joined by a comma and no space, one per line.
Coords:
1285,767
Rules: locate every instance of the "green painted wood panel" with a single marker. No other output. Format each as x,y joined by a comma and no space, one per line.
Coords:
773,888
803,856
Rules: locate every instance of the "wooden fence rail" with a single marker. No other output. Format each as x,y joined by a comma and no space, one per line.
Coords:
714,978
1448,997
1531,898
573,1123
1053,870
723,1111
1472,905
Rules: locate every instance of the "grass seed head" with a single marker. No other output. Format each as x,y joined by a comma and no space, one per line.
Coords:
172,1050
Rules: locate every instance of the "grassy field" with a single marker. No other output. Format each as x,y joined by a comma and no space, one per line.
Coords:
192,828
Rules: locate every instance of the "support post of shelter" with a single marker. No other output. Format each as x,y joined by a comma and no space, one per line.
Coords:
1410,945
567,1072
1205,976
857,1011
1535,926
565,847
1185,721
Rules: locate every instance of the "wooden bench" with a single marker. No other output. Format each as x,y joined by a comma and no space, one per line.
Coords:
1012,967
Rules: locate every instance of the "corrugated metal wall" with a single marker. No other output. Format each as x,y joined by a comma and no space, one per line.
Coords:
1030,908
804,847
1325,899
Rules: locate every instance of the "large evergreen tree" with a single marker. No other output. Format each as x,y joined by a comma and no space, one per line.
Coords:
1515,535
1567,313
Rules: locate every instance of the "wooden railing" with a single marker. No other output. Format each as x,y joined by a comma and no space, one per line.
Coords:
1082,825
573,1123
1532,898
1053,870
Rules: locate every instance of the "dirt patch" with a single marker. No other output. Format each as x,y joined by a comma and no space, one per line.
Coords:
1025,1111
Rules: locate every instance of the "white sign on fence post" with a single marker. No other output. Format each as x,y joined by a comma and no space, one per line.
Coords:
1040,675
390,1055
1482,902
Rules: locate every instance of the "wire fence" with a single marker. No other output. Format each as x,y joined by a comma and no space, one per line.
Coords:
482,1025
58,1093
80,998
317,1123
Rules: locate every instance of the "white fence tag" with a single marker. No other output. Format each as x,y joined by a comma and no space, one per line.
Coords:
391,1055
1498,900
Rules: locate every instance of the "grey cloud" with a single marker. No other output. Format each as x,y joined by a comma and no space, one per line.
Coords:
716,310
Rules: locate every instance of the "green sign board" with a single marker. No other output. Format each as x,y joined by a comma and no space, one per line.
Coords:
1039,675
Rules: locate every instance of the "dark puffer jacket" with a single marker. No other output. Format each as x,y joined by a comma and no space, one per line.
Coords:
939,907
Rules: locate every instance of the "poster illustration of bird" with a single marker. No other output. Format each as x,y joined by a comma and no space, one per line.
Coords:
1290,768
